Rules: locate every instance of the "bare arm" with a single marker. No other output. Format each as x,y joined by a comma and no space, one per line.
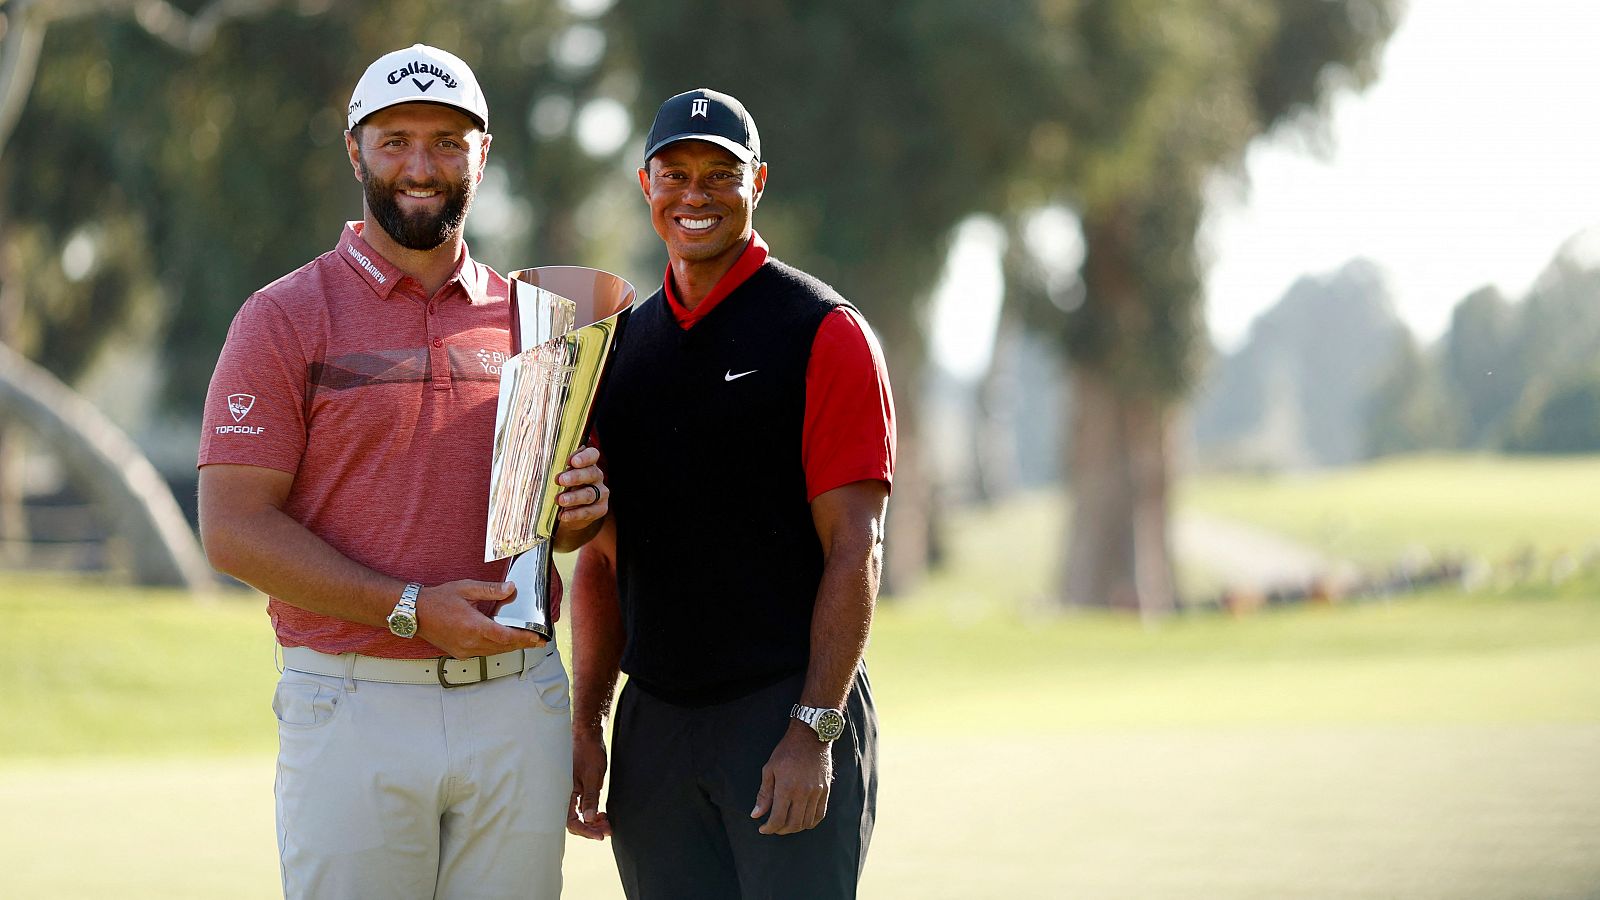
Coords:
849,521
597,640
248,535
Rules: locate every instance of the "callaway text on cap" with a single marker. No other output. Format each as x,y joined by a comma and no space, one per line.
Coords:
418,74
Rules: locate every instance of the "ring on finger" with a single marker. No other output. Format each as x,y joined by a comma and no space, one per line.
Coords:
596,489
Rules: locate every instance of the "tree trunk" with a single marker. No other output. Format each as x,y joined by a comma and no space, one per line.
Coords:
19,59
1147,424
1119,550
1099,560
14,531
113,469
15,537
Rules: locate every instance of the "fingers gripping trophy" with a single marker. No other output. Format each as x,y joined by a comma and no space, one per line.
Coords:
566,320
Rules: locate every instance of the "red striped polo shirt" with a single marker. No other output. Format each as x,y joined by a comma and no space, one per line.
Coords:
381,402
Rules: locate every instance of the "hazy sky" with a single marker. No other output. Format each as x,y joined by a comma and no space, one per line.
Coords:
1473,157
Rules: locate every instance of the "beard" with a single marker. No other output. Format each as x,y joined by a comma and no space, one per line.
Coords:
418,230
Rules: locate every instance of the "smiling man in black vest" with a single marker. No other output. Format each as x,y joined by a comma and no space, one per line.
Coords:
744,750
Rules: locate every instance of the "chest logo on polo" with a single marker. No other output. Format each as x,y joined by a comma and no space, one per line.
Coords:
491,360
732,377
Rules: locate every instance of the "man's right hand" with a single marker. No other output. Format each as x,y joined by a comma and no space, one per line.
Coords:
448,618
584,817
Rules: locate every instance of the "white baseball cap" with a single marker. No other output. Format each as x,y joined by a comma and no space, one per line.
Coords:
416,74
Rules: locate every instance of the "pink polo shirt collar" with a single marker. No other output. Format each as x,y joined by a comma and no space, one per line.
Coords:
382,275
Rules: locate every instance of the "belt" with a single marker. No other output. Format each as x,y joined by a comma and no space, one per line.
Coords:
442,671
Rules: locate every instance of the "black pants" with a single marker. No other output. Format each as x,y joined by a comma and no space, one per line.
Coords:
683,782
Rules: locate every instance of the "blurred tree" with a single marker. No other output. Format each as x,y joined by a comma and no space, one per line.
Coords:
883,129
1407,410
1480,368
1518,376
175,162
226,157
1155,98
69,279
1564,418
1552,352
1297,392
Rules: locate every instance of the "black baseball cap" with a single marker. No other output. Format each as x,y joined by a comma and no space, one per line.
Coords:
704,115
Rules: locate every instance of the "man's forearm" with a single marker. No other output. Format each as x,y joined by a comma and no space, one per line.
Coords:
597,635
849,522
278,556
840,623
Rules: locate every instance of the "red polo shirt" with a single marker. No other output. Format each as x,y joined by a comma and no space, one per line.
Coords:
381,402
849,422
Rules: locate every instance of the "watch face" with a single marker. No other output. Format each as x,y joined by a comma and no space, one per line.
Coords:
402,626
830,725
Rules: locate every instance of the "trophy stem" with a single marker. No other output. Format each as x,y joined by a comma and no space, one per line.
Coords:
530,609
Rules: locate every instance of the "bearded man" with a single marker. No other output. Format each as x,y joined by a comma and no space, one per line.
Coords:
424,749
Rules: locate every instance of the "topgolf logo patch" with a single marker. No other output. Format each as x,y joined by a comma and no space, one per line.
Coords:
239,405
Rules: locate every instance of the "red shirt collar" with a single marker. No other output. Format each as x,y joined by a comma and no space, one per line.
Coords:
754,255
382,276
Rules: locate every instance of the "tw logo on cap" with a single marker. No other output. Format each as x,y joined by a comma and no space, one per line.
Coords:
699,108
239,405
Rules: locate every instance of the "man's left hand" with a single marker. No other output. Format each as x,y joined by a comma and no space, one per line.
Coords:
795,782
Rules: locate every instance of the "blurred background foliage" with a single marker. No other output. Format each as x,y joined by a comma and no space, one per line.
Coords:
168,158
162,159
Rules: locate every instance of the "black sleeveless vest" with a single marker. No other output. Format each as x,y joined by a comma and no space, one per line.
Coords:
718,560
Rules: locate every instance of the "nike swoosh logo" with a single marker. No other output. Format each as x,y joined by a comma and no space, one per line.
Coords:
422,87
730,376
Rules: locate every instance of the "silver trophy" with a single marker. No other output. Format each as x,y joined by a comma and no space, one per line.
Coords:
567,319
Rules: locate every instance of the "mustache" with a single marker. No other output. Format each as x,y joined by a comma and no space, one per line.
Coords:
417,230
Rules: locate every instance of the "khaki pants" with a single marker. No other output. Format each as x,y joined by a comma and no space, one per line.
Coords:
400,791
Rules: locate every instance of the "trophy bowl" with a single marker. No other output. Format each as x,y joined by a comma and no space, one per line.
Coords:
564,322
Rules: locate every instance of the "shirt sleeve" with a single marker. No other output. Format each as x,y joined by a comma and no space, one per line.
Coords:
255,407
849,421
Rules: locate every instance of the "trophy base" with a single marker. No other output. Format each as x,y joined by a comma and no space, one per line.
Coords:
530,609
536,627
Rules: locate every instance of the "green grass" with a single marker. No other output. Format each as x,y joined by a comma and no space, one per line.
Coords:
1429,660
1440,746
1490,507
1444,745
100,671
96,669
